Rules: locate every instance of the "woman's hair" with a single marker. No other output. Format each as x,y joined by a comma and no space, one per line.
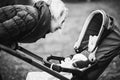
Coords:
56,6
58,11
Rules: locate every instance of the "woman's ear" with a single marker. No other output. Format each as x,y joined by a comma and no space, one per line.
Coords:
49,2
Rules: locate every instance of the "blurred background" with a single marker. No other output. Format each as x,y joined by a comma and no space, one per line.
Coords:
62,44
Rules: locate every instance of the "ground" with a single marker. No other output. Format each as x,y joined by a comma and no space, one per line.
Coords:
61,44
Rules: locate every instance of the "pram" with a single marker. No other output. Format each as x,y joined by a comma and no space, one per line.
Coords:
108,44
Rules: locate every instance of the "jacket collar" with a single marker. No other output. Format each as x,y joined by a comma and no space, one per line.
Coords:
43,24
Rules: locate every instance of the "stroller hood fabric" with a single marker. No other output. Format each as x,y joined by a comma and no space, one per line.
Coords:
94,25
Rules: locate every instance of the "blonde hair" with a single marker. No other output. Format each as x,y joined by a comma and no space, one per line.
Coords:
56,6
58,12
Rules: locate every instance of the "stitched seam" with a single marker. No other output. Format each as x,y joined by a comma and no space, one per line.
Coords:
6,16
15,10
17,25
6,30
31,14
23,19
19,17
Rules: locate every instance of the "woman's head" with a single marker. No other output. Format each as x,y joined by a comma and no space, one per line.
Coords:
58,13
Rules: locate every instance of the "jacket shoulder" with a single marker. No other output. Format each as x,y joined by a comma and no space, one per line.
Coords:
18,19
9,12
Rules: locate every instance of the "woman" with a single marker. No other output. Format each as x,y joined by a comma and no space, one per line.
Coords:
27,24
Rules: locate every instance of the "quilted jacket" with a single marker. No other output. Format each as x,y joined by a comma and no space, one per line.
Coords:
23,23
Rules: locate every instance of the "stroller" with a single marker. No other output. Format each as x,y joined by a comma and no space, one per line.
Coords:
102,25
107,47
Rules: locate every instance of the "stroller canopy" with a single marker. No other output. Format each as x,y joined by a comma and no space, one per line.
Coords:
94,25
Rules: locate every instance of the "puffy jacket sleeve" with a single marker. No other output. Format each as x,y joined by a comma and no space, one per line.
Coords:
16,21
